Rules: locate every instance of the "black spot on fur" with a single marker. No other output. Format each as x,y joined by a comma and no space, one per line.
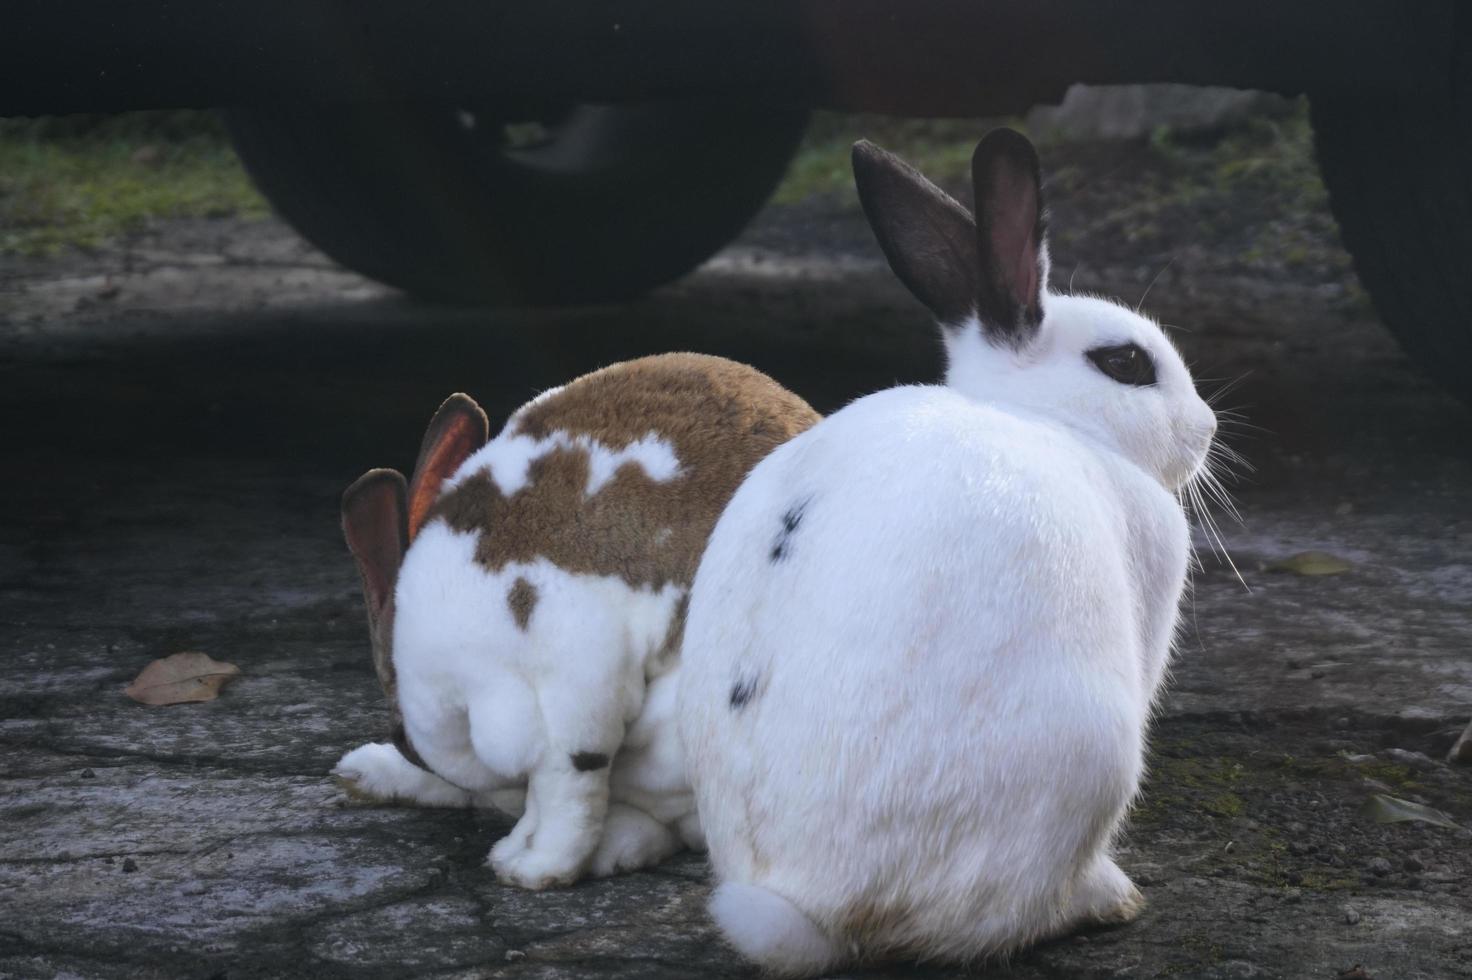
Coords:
790,521
588,761
742,692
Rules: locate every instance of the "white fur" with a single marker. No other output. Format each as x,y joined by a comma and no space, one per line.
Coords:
632,839
650,773
509,459
490,706
951,667
493,708
379,772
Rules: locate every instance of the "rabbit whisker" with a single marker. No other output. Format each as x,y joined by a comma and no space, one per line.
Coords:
1153,281
1202,490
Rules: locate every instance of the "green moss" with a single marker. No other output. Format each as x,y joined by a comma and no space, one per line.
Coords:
1154,806
940,148
1179,780
1257,187
1173,766
1224,805
80,181
1390,773
1323,879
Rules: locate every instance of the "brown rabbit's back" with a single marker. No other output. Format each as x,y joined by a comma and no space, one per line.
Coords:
717,417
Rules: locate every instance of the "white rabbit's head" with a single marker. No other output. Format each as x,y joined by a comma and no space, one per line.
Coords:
1099,368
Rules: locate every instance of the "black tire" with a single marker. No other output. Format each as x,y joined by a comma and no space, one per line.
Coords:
602,203
1399,174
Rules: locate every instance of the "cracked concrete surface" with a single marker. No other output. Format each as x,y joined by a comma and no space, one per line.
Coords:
182,413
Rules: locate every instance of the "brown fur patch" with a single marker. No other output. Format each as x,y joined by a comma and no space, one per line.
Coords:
522,598
720,418
669,650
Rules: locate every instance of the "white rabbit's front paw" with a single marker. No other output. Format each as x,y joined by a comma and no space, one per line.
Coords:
632,839
511,846
378,771
517,862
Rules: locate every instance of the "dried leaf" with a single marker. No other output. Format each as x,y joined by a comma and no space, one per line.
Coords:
1311,563
180,678
1389,809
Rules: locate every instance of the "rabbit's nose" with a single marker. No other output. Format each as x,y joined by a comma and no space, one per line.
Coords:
1202,431
1206,422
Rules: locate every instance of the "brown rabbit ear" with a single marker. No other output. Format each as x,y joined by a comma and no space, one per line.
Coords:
375,524
458,429
1011,227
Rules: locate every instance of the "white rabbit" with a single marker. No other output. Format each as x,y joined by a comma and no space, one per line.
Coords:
526,598
925,637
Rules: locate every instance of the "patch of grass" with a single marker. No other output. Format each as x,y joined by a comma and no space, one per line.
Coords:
1254,189
79,181
1270,154
940,148
1275,155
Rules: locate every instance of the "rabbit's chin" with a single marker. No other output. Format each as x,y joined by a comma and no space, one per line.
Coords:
1190,471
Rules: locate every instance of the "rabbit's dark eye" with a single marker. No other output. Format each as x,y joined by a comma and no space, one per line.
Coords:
1126,363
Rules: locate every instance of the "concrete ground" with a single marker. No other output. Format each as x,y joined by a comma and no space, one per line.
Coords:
182,412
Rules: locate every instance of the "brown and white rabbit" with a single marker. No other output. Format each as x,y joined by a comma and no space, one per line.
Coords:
526,600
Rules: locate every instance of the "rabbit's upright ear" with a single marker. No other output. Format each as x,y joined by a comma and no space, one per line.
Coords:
928,238
458,429
1011,231
375,523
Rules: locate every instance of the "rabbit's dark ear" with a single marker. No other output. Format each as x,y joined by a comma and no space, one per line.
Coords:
375,523
458,429
1010,236
928,238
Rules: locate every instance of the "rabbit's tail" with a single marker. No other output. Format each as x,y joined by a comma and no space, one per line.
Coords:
769,930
